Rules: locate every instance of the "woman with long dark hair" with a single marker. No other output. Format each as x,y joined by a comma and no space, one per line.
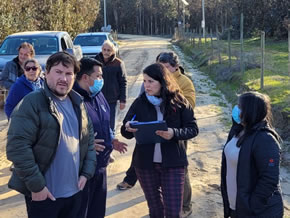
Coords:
251,161
160,167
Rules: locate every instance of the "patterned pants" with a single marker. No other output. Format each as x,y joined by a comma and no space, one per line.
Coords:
163,189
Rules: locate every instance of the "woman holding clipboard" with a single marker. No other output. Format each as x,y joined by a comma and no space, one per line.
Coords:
160,167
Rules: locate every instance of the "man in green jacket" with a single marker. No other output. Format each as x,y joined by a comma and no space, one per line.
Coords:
51,144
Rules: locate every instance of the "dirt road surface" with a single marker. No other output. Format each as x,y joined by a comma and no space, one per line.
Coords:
204,152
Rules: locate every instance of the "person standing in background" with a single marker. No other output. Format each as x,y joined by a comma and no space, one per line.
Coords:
25,84
115,81
13,69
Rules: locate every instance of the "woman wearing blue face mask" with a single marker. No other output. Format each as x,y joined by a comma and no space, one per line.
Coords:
251,160
160,167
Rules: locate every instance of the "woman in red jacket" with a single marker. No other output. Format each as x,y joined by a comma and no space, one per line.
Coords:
160,167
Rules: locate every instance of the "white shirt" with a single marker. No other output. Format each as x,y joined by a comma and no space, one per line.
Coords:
232,156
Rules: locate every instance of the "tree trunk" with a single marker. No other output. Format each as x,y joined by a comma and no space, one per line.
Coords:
116,18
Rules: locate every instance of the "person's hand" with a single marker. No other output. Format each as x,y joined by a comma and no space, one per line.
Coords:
98,147
128,128
82,182
122,105
165,134
42,195
119,146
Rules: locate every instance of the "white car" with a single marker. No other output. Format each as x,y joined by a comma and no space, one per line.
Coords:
91,43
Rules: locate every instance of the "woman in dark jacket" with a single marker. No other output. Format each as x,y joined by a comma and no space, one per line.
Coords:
160,166
25,84
251,161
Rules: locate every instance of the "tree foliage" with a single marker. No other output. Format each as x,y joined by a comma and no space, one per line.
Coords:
161,16
144,16
74,16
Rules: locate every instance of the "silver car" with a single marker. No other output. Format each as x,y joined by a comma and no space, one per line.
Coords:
91,43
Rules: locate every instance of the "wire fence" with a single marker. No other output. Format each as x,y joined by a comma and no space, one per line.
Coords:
269,58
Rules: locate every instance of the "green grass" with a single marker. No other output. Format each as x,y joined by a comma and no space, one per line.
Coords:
276,77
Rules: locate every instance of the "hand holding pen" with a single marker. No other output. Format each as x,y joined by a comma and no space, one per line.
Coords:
127,125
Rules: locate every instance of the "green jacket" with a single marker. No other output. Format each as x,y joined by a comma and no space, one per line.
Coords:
33,137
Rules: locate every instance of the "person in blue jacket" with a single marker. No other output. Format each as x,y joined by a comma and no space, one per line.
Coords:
251,161
89,82
25,84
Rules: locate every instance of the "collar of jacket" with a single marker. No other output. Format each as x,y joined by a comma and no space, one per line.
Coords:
112,58
83,92
24,81
74,96
20,70
176,74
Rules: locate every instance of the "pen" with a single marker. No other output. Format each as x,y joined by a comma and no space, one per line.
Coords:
133,117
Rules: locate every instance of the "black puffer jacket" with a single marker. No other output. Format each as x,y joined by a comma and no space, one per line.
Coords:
115,82
258,186
182,121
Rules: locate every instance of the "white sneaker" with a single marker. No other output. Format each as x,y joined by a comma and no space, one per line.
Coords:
186,213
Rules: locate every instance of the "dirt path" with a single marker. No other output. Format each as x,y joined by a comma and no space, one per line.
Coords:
204,152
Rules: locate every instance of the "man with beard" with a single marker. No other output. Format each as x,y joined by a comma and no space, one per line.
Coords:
51,144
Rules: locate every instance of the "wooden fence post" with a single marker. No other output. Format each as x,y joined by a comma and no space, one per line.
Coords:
262,59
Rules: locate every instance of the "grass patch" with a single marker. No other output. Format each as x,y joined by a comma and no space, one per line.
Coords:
232,82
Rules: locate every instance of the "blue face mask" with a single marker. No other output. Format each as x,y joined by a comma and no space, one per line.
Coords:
154,100
236,112
98,85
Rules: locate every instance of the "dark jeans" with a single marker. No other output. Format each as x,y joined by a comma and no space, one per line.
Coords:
131,177
60,208
233,213
112,115
94,196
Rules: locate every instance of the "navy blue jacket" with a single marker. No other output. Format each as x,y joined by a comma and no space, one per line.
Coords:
17,91
258,186
99,112
180,119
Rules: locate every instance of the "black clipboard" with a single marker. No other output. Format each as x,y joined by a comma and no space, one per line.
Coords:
146,131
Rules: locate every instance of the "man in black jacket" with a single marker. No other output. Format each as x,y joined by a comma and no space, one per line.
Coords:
13,69
115,82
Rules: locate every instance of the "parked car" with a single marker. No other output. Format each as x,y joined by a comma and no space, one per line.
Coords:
45,43
91,43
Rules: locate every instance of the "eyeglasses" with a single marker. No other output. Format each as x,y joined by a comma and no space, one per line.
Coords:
30,68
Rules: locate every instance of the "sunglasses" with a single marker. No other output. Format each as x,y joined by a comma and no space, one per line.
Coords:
30,68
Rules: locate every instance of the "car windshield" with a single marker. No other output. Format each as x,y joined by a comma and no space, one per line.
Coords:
94,40
43,45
